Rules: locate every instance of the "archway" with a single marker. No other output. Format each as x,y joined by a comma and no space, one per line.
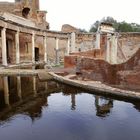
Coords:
25,12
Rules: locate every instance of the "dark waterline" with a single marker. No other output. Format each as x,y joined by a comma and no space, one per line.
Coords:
50,111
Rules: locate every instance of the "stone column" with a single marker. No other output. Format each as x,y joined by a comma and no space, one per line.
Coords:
108,48
4,47
68,47
33,47
6,90
57,61
98,37
19,87
45,48
72,42
114,49
17,47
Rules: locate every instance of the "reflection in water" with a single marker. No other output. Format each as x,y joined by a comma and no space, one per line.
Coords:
6,90
19,87
34,86
103,108
64,111
73,102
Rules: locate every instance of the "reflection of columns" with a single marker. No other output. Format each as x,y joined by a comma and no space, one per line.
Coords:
98,40
108,48
4,48
68,47
34,86
47,100
72,42
33,47
17,47
6,90
73,105
19,87
96,101
45,49
57,51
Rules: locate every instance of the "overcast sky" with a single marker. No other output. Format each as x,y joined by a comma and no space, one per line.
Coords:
83,13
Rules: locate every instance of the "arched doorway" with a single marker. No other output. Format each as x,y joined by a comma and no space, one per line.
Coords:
25,12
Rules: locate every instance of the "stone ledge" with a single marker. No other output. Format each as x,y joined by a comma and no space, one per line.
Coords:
98,87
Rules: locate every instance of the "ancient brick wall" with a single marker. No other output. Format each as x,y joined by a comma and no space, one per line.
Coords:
70,61
7,7
128,44
125,75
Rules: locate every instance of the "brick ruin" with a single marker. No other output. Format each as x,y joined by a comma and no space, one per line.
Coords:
106,56
122,72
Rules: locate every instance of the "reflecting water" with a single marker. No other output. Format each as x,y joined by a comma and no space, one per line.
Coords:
33,110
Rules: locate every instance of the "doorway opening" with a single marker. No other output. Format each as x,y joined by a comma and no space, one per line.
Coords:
36,54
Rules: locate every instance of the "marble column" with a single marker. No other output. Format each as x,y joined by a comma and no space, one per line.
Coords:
33,47
57,61
68,47
98,37
6,90
114,49
4,47
108,48
45,48
17,47
73,42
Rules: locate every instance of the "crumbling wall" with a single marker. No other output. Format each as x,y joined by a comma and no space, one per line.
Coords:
7,7
128,45
125,75
66,28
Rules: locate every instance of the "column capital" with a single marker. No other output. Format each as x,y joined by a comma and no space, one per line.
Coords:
4,28
44,34
17,29
33,33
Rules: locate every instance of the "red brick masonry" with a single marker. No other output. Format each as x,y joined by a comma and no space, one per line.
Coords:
125,75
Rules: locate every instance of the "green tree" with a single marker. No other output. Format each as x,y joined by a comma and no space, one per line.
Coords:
124,27
94,27
119,26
